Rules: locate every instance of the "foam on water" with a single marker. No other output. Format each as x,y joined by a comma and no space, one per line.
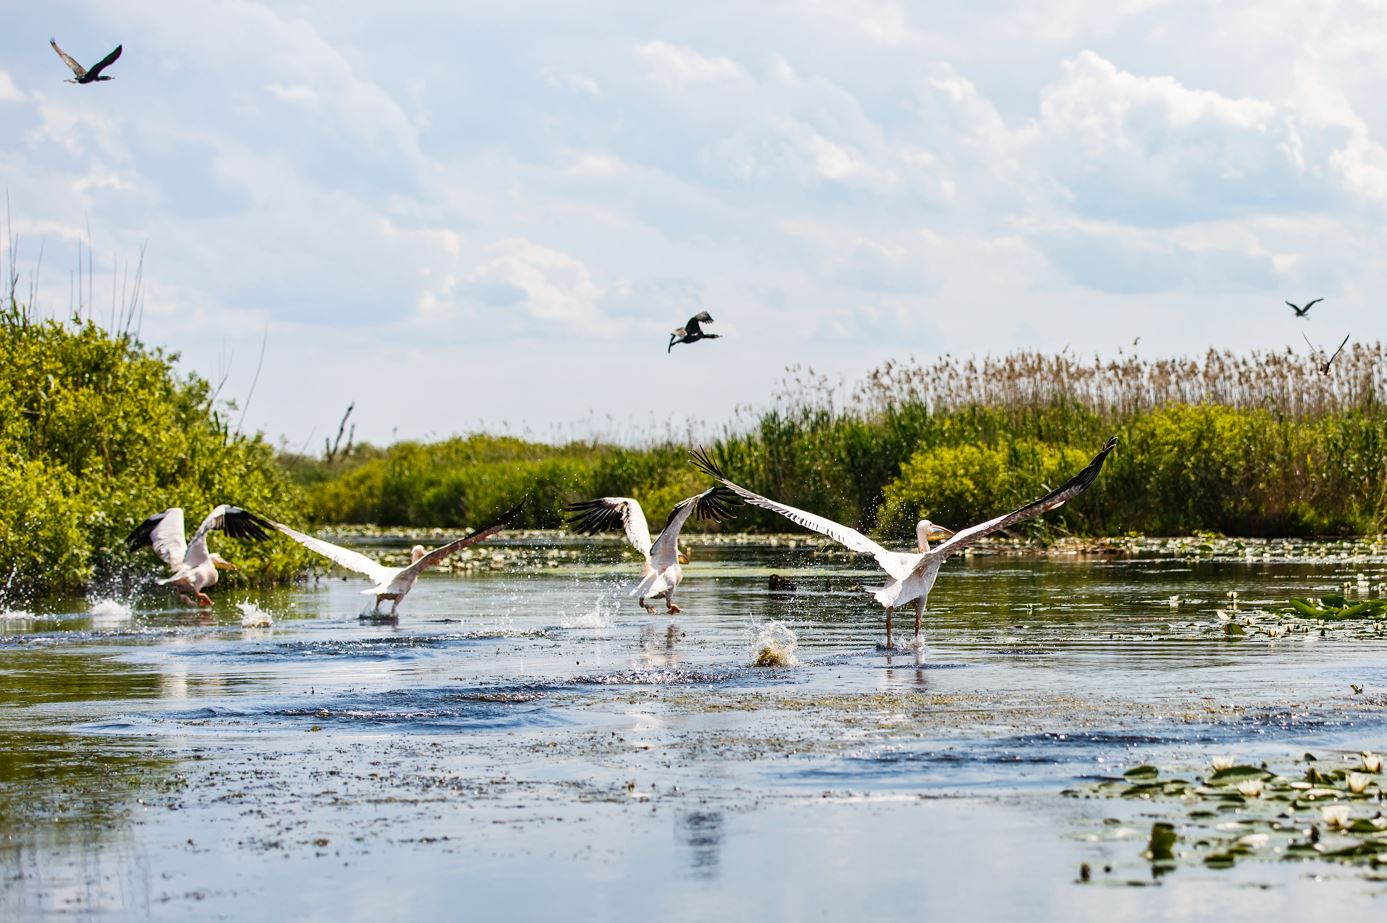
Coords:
16,615
773,644
252,616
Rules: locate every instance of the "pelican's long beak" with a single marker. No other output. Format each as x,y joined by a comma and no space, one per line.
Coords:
939,533
224,565
683,558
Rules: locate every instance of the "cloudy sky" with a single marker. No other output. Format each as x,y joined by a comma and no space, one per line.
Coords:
491,216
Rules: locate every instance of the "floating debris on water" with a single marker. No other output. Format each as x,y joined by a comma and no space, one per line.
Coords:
252,616
773,644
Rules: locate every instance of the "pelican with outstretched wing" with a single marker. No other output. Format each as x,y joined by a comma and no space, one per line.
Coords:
194,568
663,559
394,583
82,74
692,331
911,575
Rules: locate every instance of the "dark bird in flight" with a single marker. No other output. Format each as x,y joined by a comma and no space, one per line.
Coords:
692,331
1302,312
1317,355
82,75
1324,368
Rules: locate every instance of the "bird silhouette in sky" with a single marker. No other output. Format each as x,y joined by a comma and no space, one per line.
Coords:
80,73
1302,312
692,331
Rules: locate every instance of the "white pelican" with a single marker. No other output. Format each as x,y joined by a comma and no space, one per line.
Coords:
394,583
911,575
662,572
194,568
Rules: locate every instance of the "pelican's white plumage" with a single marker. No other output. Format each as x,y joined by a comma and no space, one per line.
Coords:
193,567
662,571
394,583
911,575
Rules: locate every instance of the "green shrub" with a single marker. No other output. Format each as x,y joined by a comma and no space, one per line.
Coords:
96,433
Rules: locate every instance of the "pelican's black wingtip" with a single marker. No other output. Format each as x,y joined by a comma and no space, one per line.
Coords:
701,459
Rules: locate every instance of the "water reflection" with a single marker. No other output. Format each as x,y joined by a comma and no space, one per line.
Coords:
701,832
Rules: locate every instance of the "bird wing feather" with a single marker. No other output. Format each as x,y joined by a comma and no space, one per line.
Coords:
715,503
71,62
343,557
849,538
164,533
104,63
1051,501
232,520
606,514
485,532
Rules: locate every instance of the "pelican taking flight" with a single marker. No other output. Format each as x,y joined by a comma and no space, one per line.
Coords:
394,583
692,331
80,73
194,568
911,575
662,572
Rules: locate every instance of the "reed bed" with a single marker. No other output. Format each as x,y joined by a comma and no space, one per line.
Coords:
1257,445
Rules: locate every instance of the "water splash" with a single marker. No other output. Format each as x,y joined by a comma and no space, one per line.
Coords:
773,644
252,616
15,615
599,616
108,610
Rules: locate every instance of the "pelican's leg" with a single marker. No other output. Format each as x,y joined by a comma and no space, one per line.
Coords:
395,607
184,598
889,610
646,606
919,614
375,610
670,607
203,599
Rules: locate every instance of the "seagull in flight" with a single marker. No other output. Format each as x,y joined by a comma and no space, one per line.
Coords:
692,331
194,568
1302,312
80,73
662,571
911,575
394,583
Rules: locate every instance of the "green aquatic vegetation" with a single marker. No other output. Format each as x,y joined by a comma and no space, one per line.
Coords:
1335,607
1328,811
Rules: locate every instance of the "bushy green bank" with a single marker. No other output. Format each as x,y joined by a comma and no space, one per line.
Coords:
1258,445
97,432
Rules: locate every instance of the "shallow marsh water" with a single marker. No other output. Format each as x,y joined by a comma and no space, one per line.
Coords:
527,741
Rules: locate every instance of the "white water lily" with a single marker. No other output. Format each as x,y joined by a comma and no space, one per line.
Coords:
1335,815
1220,763
1371,762
1174,601
1250,788
1223,614
1254,840
1358,782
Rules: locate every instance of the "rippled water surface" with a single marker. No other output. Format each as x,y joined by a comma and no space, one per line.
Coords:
528,741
